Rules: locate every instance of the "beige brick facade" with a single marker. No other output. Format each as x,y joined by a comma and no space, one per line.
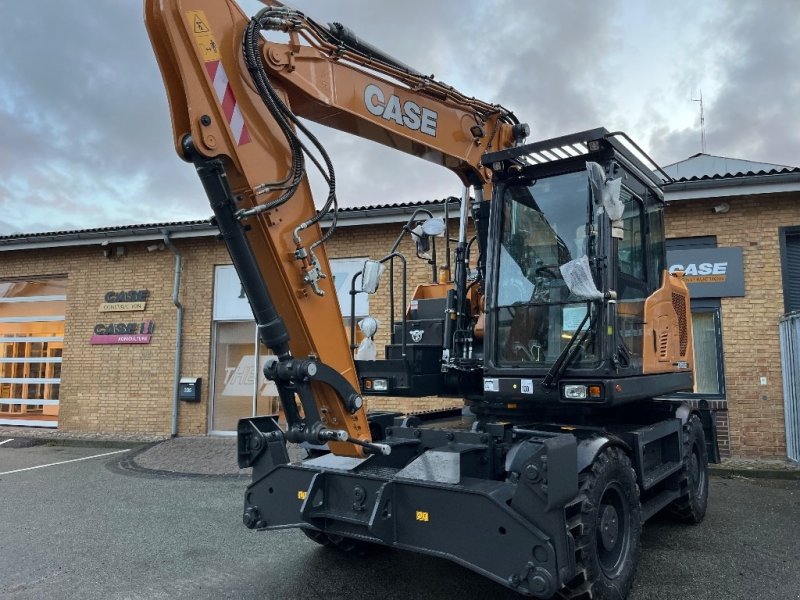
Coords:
129,388
755,419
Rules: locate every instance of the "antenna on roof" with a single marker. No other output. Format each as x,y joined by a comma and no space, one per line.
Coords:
702,123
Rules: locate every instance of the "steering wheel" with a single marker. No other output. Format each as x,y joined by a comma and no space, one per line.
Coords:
551,271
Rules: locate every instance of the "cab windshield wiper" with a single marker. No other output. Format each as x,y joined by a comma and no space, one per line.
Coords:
567,354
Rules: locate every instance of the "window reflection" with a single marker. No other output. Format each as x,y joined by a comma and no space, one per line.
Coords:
236,378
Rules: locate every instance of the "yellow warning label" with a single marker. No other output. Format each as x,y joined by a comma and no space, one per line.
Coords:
423,516
200,25
301,495
202,35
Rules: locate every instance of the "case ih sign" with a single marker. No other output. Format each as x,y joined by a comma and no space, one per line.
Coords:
122,333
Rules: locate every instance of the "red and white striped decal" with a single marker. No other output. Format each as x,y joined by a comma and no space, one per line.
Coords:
230,107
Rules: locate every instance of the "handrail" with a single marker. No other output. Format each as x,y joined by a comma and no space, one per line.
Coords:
390,258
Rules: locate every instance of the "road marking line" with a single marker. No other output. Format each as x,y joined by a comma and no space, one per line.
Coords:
63,462
6,441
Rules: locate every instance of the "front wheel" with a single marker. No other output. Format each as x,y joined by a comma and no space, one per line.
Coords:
606,522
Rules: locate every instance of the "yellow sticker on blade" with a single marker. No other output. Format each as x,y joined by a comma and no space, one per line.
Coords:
301,495
423,516
198,24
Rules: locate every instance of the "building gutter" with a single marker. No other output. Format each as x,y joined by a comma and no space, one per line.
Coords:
194,229
176,286
734,186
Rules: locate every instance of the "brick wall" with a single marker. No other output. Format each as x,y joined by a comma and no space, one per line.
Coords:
755,419
128,388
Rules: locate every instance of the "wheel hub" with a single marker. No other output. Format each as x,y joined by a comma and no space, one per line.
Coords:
609,526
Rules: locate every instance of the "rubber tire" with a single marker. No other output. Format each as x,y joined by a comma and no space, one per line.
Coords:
692,504
611,470
343,544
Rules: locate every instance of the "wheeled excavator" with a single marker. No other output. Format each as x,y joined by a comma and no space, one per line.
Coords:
556,321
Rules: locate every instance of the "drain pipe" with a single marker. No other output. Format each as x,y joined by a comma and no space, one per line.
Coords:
176,286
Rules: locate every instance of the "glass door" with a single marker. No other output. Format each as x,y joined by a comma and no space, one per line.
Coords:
239,389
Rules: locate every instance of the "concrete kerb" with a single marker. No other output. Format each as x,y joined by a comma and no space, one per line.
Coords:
756,469
129,463
33,436
177,464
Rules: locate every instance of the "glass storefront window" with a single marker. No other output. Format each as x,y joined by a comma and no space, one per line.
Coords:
708,378
238,388
236,379
31,344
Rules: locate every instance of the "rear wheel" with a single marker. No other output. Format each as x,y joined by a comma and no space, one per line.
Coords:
691,506
606,522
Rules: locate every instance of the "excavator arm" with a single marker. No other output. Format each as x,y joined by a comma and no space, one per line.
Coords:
235,96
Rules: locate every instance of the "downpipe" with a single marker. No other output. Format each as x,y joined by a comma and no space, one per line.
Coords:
176,286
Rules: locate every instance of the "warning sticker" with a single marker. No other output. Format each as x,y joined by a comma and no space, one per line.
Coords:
198,22
200,25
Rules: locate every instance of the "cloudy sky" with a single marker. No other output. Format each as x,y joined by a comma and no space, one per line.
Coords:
85,135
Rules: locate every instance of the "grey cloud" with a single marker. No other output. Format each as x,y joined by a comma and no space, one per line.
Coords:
87,135
760,92
753,114
85,119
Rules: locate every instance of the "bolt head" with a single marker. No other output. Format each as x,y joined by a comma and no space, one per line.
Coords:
250,517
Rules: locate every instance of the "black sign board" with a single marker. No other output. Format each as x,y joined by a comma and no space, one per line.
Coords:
709,272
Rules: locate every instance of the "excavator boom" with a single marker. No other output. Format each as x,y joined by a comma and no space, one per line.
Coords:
235,98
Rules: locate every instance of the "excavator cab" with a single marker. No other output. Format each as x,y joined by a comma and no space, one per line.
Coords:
577,308
575,271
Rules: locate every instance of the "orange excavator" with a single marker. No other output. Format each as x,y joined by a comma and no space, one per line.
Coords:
558,326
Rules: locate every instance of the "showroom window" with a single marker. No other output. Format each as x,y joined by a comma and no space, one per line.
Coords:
709,377
31,344
238,388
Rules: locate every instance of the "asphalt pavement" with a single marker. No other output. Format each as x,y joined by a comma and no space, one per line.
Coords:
77,522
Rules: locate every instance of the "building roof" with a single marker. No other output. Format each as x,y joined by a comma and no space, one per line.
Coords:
348,216
708,166
701,176
705,176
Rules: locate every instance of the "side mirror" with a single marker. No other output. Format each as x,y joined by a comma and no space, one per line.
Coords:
422,234
371,276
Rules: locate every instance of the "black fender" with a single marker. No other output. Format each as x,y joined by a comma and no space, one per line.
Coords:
589,448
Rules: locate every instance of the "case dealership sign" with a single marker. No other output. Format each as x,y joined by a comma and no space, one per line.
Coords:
709,272
123,332
124,301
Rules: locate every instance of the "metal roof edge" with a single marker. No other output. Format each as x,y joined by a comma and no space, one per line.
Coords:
348,217
732,186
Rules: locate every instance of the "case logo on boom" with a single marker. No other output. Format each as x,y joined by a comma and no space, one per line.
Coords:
408,114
